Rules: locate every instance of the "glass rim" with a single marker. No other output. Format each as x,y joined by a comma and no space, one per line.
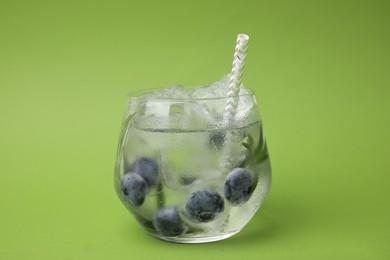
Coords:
138,94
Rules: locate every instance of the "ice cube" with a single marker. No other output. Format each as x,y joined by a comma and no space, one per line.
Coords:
188,163
219,92
177,107
217,89
245,105
157,108
173,92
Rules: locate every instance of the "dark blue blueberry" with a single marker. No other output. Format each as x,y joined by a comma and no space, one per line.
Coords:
204,205
168,223
217,139
239,186
187,180
133,189
147,168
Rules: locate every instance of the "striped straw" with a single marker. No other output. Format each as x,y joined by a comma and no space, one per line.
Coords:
235,77
229,152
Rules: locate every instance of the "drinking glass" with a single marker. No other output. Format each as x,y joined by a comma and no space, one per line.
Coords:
184,174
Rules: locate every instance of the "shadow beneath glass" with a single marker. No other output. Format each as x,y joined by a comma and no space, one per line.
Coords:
274,220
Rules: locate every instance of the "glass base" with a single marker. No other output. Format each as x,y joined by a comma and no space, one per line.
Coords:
195,240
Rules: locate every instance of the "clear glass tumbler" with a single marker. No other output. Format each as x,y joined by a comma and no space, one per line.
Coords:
184,174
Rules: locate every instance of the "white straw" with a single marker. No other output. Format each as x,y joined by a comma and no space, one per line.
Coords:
229,152
235,77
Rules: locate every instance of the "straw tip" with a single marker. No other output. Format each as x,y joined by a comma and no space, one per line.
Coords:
243,37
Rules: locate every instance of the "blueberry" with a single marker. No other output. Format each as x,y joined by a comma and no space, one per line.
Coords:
147,168
168,223
217,139
133,189
239,186
204,205
187,180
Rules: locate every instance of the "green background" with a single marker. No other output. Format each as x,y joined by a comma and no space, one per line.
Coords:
321,73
